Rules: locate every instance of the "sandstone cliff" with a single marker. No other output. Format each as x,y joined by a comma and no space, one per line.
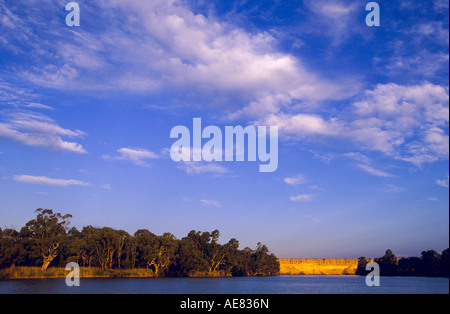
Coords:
318,266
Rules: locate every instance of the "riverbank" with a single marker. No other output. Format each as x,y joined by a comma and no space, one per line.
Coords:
288,266
24,272
85,272
306,266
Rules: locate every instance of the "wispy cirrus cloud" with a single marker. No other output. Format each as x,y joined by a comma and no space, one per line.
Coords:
48,181
34,129
365,163
375,172
35,105
358,156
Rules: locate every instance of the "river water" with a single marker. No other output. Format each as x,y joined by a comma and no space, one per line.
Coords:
241,285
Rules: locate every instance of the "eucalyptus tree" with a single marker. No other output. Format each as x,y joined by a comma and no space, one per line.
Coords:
47,233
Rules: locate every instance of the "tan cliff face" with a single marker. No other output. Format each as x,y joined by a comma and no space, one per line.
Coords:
318,266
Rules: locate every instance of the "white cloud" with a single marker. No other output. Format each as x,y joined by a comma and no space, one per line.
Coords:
41,124
138,156
406,122
166,45
375,172
302,198
443,183
38,130
38,106
10,94
31,128
203,51
405,104
365,162
48,181
300,125
211,203
296,180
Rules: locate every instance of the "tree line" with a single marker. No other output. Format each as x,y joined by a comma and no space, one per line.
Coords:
47,240
430,264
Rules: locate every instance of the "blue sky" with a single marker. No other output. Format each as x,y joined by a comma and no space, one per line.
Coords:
86,114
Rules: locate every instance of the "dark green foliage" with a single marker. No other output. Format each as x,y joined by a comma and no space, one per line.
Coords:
388,264
197,254
47,234
361,269
430,264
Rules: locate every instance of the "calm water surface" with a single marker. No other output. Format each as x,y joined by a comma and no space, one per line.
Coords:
249,285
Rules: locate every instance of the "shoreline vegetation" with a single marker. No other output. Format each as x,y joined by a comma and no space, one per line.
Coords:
30,272
430,264
302,266
45,245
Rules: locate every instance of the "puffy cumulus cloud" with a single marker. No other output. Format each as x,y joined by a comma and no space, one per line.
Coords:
35,129
164,44
300,125
406,122
195,50
407,106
